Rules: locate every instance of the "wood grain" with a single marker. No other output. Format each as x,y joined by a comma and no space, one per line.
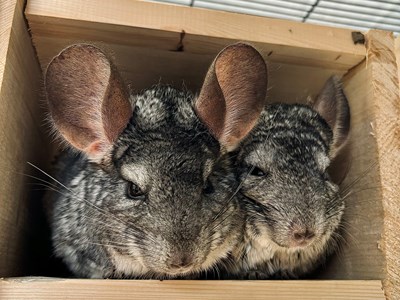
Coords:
21,137
48,288
384,80
7,9
159,26
397,51
360,256
373,210
144,37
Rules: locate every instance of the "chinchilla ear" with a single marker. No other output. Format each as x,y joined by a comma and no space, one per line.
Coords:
233,94
333,106
88,101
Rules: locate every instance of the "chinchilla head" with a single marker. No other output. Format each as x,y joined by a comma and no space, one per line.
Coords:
291,201
157,184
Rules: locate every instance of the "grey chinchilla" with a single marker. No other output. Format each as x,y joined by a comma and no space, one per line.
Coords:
150,195
293,208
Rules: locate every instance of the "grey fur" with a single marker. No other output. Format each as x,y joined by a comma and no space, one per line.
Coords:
100,233
291,145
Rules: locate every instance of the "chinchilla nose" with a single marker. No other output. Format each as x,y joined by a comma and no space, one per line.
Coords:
300,235
180,261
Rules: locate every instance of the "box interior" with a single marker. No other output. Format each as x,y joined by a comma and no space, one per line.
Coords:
142,65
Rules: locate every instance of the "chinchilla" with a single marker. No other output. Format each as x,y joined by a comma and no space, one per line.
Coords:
293,208
150,195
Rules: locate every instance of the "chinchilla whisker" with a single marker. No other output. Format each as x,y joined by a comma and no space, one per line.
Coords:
131,234
328,217
49,188
127,237
224,218
107,225
338,248
211,241
345,196
340,241
354,192
109,244
120,245
56,189
87,202
350,193
357,179
350,240
344,227
364,173
42,185
40,190
340,233
226,207
38,179
91,205
140,234
348,196
270,205
240,184
331,209
220,213
266,208
347,225
123,247
48,175
262,181
44,188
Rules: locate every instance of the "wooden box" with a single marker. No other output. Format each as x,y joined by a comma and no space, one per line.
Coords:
153,42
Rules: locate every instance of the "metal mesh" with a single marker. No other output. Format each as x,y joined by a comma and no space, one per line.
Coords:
355,14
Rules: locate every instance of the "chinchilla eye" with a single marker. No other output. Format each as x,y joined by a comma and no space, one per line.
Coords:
134,192
209,188
255,171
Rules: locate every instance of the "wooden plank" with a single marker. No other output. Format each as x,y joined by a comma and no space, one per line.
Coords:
142,36
397,51
7,9
48,288
21,138
159,26
360,256
386,100
373,211
143,67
